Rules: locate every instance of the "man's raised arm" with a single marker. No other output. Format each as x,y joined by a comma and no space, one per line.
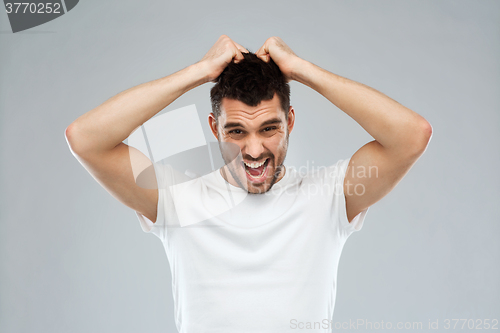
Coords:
401,135
95,138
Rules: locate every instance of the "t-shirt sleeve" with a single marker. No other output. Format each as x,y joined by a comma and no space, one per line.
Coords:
165,177
157,228
338,173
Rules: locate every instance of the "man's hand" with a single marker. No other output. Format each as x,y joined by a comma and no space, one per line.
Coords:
220,55
281,54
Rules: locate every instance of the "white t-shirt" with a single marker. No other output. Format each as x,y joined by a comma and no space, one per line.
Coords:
253,262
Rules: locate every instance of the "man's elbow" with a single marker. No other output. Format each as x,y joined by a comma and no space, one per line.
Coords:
68,134
426,129
73,139
422,138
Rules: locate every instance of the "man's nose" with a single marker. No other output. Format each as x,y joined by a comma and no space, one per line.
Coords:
254,147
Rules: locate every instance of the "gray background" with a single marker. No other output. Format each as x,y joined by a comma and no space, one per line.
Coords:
73,259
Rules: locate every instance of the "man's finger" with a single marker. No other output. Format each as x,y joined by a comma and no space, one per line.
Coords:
263,53
238,57
241,48
260,50
264,56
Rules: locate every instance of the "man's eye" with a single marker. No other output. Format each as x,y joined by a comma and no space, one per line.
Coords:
236,133
271,128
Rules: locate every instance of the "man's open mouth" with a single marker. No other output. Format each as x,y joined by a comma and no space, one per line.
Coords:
256,171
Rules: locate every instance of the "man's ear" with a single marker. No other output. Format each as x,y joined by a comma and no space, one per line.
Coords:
213,125
291,119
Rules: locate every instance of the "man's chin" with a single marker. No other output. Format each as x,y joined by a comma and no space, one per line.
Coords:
258,189
263,187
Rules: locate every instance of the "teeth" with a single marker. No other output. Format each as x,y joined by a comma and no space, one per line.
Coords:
255,165
255,177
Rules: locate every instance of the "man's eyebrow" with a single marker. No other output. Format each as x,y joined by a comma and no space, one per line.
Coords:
267,122
271,122
230,125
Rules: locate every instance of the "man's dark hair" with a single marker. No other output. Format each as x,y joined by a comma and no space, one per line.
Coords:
250,81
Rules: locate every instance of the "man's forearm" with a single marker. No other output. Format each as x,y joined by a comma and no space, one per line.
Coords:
394,126
104,127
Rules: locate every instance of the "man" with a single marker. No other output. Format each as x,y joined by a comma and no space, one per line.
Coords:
267,262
